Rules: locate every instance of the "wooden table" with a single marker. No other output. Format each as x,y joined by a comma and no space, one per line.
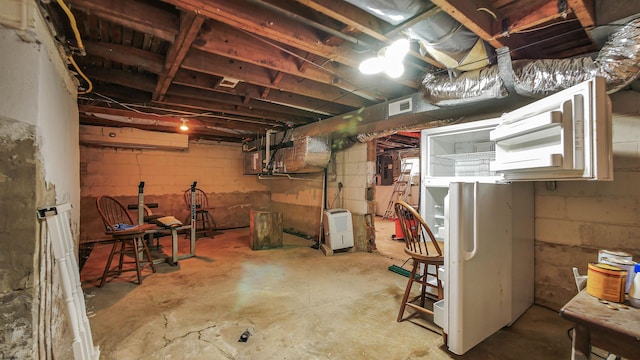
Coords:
615,330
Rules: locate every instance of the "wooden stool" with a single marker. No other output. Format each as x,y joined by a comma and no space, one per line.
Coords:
133,243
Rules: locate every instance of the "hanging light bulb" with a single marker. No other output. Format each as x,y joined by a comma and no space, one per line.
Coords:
398,49
371,66
389,60
394,70
184,126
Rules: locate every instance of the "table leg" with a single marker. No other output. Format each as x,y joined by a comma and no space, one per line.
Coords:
192,245
174,246
581,349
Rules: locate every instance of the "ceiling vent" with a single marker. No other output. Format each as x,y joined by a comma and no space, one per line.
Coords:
131,138
229,82
400,107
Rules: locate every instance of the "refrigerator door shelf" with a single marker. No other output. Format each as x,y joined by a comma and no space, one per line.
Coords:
565,136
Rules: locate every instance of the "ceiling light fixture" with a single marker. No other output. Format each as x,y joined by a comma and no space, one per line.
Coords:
184,126
389,60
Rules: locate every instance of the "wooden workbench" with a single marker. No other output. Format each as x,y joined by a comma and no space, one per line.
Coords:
609,326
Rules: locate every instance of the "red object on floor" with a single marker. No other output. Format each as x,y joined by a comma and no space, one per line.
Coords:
399,235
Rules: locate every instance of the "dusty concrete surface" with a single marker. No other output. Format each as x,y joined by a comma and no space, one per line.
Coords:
295,302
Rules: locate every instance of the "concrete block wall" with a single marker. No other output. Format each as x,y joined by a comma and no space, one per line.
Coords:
167,174
579,218
355,169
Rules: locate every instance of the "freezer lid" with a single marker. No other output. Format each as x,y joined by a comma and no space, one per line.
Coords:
564,136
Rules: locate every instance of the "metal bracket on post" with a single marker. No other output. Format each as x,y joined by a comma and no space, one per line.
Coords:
59,231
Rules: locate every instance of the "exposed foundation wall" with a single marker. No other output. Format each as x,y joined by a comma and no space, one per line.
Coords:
167,174
299,199
579,218
38,145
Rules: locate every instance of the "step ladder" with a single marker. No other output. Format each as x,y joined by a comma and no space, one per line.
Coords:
401,189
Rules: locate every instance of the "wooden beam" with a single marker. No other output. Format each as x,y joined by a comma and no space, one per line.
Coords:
215,65
147,60
133,14
521,17
359,20
223,40
139,81
171,116
189,26
585,12
197,129
278,28
262,116
238,100
351,16
271,25
468,13
202,81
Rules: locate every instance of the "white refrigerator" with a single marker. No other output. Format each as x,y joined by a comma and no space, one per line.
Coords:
477,195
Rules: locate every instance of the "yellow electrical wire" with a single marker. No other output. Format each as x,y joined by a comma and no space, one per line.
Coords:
74,27
90,88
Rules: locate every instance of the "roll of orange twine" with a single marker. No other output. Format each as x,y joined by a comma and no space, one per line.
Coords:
606,282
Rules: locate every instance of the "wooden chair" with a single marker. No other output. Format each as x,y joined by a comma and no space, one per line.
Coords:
204,219
131,241
427,257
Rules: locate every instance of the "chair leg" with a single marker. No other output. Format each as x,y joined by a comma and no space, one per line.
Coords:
149,259
206,225
136,256
108,266
423,282
140,255
123,249
407,291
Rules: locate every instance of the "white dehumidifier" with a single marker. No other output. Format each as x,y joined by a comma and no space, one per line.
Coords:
338,229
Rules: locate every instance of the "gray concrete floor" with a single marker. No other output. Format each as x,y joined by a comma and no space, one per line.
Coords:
295,302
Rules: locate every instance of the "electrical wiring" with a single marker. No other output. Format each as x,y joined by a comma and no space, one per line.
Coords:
76,32
175,113
74,26
544,26
90,84
488,11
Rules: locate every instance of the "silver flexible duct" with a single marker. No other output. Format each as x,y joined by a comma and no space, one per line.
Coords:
618,61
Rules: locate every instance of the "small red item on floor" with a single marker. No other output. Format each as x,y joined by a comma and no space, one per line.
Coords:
399,235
